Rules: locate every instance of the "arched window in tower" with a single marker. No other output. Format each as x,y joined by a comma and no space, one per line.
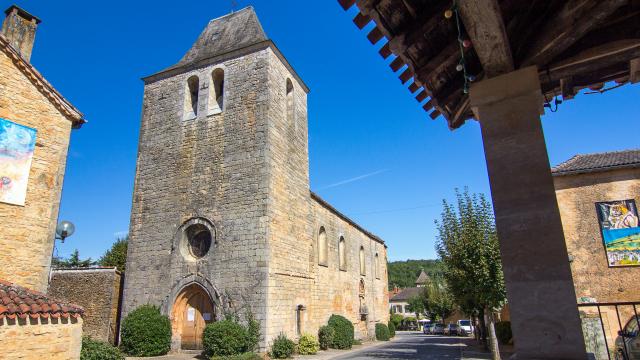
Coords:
376,265
290,102
362,266
216,92
322,247
342,254
191,98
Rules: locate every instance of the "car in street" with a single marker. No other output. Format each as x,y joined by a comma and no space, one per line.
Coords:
452,330
628,341
465,327
427,329
438,329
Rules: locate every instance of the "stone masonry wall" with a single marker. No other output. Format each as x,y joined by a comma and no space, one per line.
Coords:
210,170
295,278
51,339
577,195
97,291
27,234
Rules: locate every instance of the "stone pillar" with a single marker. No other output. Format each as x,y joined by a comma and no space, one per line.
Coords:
542,300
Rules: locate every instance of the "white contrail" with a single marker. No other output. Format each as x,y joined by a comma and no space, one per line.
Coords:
357,178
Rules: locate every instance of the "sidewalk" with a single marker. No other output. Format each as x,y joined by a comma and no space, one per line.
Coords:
331,353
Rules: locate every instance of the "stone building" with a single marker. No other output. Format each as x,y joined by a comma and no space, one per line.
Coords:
30,103
98,291
35,126
398,304
223,220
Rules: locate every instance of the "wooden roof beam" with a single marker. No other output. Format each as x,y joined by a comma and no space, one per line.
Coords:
576,18
483,21
634,70
346,4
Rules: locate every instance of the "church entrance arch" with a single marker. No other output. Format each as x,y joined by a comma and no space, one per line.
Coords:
192,311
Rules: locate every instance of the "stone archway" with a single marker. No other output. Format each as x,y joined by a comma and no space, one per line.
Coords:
192,310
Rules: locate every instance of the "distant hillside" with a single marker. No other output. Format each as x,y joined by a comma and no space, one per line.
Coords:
404,273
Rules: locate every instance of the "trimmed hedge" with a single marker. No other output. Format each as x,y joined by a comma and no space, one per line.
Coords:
225,338
343,337
98,350
282,347
308,345
325,336
146,332
392,329
382,332
503,332
245,356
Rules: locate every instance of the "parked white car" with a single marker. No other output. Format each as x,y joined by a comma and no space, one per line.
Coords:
466,327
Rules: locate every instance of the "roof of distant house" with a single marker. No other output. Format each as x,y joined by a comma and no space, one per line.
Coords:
407,294
423,278
586,163
17,301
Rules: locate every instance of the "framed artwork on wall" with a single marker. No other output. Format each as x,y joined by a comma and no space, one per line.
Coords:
17,143
620,232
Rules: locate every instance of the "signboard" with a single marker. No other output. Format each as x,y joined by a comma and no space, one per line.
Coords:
17,143
191,314
620,232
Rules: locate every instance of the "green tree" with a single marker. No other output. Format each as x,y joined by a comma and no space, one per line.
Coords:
438,301
73,261
467,244
416,305
403,274
117,255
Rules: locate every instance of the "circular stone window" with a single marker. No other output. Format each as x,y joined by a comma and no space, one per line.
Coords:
198,240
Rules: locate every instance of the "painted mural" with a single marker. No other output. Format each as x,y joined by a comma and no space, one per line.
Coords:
16,152
620,231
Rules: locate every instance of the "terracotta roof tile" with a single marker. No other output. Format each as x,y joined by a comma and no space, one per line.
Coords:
22,302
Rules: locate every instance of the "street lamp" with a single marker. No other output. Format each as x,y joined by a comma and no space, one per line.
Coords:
64,230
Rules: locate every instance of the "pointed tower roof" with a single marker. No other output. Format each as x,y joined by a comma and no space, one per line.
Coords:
228,33
423,278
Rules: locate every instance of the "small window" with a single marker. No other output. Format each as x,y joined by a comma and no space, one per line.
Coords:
362,265
290,102
191,98
216,92
322,247
342,254
199,240
376,268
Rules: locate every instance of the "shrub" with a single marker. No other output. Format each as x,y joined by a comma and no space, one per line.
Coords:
392,329
325,336
282,347
308,345
245,356
357,342
146,332
224,338
343,337
253,332
98,350
503,332
382,332
396,319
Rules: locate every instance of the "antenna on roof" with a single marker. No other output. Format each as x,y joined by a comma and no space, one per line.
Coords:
234,4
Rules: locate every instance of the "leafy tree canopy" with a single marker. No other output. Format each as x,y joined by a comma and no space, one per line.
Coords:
117,255
73,261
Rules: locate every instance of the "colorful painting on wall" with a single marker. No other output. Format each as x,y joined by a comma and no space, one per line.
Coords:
620,232
16,152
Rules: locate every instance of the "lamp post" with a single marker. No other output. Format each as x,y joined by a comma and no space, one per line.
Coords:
63,230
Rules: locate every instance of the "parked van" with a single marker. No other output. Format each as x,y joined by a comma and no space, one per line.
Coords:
465,326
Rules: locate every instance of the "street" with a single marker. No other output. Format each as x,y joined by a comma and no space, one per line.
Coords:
415,345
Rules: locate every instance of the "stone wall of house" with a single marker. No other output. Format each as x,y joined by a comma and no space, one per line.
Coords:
211,171
577,195
97,291
54,339
27,232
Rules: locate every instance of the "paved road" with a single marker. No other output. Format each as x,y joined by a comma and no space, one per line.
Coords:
415,345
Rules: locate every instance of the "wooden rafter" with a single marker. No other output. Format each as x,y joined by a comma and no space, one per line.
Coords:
483,21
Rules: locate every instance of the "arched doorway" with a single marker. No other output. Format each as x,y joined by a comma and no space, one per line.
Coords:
192,311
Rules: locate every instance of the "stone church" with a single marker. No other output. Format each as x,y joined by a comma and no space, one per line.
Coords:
223,221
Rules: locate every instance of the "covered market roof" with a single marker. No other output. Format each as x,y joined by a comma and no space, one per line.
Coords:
439,46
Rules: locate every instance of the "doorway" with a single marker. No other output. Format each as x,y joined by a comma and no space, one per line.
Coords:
192,311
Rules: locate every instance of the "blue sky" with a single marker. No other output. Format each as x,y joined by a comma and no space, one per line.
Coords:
374,153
